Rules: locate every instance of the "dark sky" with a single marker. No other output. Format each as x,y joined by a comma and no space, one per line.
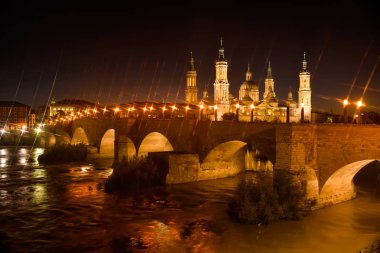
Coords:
139,51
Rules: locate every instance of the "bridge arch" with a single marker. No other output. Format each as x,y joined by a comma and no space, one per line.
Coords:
107,143
230,158
339,186
46,140
154,142
80,137
62,137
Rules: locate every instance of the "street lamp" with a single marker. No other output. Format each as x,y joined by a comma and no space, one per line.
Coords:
345,118
116,110
186,109
302,113
163,112
237,111
252,107
201,112
173,109
144,110
359,104
216,112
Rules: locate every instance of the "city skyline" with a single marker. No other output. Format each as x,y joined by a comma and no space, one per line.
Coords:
108,57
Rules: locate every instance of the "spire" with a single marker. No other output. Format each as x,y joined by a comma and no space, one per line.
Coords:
248,74
290,94
269,73
221,51
191,62
304,63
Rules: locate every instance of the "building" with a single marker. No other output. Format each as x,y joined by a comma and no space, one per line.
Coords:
13,115
191,91
68,107
248,106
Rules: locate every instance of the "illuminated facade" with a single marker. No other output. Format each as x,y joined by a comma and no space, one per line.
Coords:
248,104
221,85
191,91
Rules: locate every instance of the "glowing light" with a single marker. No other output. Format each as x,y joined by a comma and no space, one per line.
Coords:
38,130
237,105
201,106
302,105
252,106
3,151
23,127
215,107
164,108
359,103
104,109
173,107
151,107
95,111
345,102
117,109
145,109
187,108
2,131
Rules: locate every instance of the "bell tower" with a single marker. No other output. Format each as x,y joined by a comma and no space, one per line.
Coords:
191,91
221,85
269,82
304,92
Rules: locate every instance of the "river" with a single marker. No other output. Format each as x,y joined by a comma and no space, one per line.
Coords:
59,208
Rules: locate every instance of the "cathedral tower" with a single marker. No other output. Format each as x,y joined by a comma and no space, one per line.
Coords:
191,91
304,92
221,85
269,82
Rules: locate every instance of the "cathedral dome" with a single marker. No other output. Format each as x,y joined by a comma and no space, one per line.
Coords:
249,85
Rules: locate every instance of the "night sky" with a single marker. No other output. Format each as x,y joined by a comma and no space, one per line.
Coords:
115,54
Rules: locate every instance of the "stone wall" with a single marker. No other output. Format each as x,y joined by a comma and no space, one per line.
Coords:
183,168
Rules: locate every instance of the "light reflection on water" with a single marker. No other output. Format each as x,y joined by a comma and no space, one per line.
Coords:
61,208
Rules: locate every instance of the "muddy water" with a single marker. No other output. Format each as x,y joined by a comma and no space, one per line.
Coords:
60,208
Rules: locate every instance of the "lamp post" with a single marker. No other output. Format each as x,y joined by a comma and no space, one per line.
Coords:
345,118
186,109
163,112
302,113
144,110
116,110
173,109
201,111
216,112
359,104
252,107
237,111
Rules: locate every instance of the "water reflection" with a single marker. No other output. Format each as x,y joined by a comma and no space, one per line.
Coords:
61,208
39,193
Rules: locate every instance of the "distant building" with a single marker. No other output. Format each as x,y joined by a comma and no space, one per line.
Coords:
13,115
248,104
68,107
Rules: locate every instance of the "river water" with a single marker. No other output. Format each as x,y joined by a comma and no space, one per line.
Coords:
60,209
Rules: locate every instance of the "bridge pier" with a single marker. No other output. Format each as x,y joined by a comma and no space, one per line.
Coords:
124,148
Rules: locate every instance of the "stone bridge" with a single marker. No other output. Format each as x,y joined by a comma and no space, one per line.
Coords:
324,157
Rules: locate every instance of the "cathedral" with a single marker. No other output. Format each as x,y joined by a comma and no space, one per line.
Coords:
248,106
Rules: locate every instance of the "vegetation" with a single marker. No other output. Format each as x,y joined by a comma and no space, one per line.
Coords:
136,173
64,153
264,202
229,116
13,138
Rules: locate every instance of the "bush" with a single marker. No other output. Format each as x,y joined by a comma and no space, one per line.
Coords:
64,153
229,116
135,174
260,202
